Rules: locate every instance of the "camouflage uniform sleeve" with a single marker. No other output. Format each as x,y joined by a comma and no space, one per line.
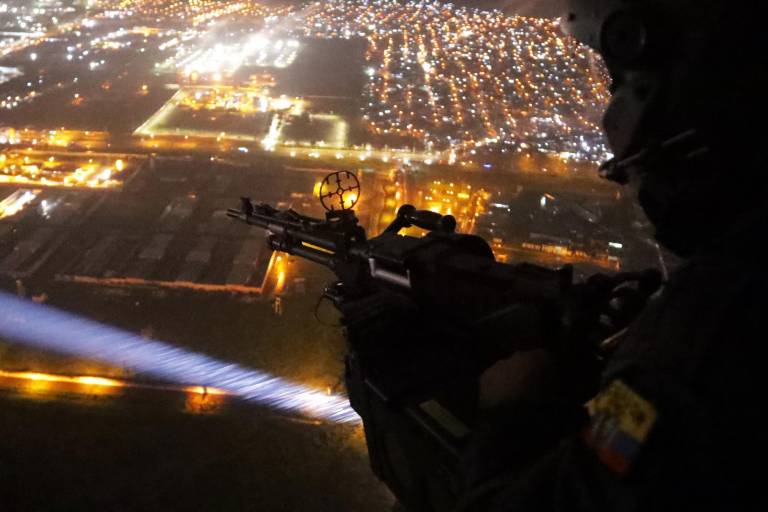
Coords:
674,427
535,464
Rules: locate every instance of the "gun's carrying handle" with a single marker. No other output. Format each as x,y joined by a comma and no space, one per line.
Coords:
408,215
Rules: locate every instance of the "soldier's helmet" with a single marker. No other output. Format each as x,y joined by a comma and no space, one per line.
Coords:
687,116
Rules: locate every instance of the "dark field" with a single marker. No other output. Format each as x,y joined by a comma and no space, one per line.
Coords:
108,99
143,457
313,131
325,67
142,453
188,121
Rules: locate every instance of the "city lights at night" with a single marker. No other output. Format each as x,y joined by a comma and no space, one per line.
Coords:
130,130
458,79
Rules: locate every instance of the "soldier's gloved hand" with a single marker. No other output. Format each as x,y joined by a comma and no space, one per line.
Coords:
529,375
540,376
621,298
525,407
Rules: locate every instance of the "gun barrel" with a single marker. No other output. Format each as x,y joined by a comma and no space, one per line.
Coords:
295,230
291,237
262,221
235,213
314,255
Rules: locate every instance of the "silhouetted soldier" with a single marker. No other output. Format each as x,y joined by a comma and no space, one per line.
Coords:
676,422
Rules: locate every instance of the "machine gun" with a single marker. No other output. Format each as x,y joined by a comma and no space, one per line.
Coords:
424,317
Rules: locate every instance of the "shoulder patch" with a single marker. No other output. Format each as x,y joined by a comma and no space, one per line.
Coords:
620,421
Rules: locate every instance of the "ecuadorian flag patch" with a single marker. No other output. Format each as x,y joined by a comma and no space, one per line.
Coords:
620,422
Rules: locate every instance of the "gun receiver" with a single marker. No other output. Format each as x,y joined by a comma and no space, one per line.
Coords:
424,317
443,271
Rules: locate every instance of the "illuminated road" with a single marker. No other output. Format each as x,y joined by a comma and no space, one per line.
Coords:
47,386
244,148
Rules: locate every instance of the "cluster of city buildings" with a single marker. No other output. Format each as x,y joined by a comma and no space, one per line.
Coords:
464,79
459,85
433,85
178,12
24,23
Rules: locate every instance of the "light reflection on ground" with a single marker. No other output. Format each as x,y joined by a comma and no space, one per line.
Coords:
49,386
51,329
